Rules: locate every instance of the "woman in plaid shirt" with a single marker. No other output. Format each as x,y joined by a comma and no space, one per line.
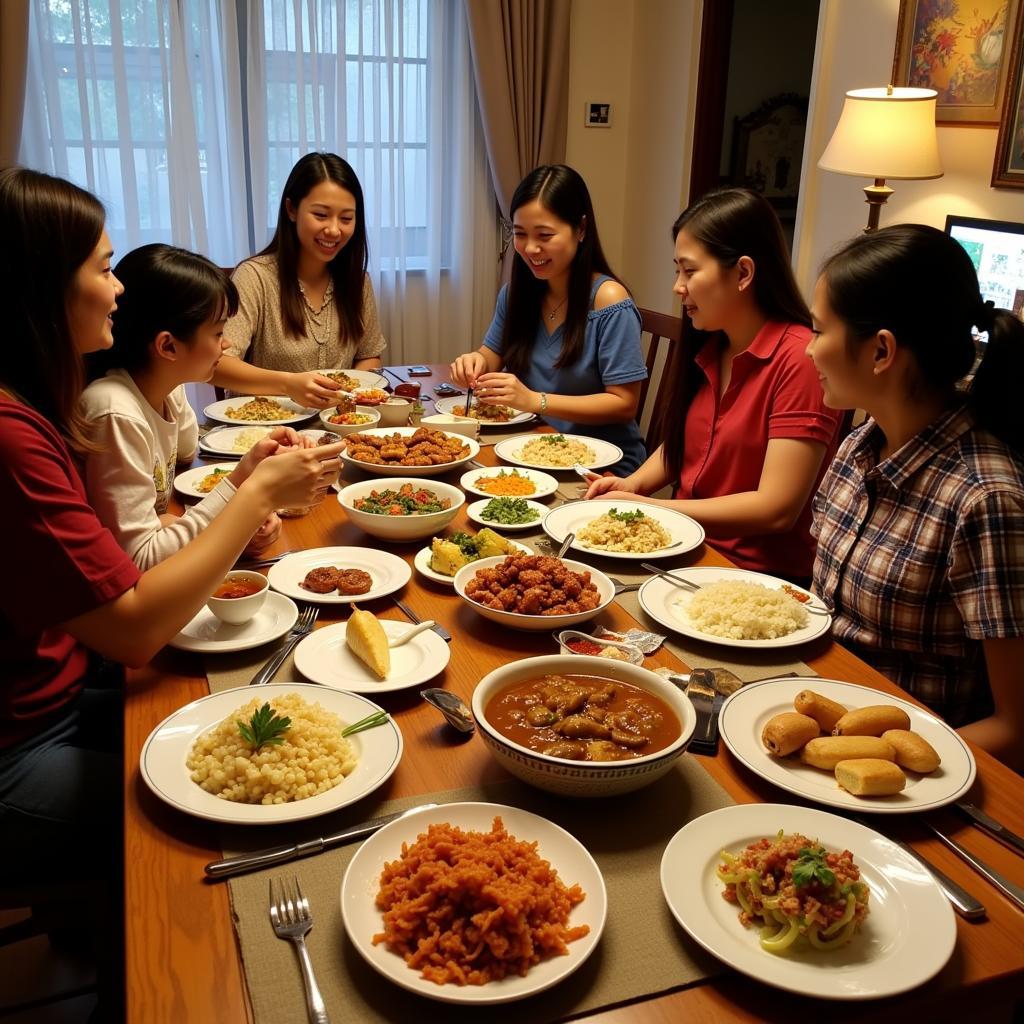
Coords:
920,519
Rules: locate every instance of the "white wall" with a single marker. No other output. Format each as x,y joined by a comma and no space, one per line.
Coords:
854,50
640,55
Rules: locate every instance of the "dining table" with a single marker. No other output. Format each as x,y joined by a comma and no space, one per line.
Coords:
183,961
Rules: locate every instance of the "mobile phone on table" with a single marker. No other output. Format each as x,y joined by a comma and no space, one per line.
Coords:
419,371
446,389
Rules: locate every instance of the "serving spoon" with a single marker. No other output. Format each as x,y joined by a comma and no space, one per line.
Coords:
422,627
452,706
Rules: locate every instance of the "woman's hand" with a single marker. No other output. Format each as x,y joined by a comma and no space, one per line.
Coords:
506,389
612,487
311,390
467,368
299,476
267,534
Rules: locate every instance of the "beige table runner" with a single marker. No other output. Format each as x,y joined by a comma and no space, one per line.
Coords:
642,951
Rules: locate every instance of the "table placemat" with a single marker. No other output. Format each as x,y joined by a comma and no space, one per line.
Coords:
642,951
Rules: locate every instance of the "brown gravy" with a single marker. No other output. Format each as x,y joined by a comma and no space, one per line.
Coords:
583,718
238,588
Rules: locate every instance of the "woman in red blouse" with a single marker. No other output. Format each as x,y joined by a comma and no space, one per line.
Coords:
746,433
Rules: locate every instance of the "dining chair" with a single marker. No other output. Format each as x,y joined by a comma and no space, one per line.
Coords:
659,332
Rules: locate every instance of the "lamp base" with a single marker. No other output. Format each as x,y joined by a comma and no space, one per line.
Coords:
877,195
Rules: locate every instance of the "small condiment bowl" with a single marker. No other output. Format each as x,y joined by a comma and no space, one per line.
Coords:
236,610
465,425
633,655
394,412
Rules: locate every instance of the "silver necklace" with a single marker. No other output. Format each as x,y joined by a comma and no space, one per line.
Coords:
552,314
320,323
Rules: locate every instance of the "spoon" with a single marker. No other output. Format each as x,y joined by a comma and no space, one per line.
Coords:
452,706
566,544
397,641
588,475
623,588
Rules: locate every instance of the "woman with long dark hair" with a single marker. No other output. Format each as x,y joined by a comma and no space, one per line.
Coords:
746,436
168,332
565,339
74,596
920,518
305,302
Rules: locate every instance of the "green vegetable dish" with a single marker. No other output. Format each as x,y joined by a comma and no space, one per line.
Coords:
509,511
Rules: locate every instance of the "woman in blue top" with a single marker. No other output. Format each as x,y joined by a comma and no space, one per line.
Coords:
565,339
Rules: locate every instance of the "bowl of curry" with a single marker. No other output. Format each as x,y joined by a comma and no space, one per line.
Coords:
582,726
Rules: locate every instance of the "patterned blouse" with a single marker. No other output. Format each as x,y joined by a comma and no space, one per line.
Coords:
923,556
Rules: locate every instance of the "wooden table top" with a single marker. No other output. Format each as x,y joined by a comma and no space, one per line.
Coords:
182,958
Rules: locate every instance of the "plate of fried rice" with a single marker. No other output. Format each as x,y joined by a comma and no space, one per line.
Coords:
526,903
262,410
558,451
906,938
736,608
632,530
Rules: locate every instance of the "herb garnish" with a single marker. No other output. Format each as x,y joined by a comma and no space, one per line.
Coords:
369,722
554,439
811,867
626,517
265,727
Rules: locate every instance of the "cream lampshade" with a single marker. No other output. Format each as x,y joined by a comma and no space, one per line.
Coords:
884,133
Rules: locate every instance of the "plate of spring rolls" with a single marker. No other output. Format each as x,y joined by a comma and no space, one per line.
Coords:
846,746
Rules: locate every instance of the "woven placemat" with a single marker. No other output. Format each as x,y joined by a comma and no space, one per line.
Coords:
642,951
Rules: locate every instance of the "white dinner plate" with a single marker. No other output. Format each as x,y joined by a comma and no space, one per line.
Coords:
221,440
544,483
667,603
605,453
685,533
475,512
744,714
162,761
908,935
367,378
388,572
392,469
566,854
325,658
447,407
208,634
219,411
422,563
187,483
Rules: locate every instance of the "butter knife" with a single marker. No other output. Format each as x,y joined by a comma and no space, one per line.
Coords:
1013,892
218,869
991,826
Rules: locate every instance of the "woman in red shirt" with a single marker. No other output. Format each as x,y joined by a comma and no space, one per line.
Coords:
746,433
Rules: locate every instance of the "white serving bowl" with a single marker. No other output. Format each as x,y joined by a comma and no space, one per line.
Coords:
401,528
517,620
236,610
394,412
349,428
581,778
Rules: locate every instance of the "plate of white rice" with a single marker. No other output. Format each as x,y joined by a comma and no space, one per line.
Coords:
558,451
735,608
366,760
632,530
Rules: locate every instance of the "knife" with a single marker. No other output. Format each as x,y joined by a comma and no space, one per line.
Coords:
1013,892
991,826
218,869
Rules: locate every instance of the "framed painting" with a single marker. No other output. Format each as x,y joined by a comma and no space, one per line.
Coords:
767,148
1008,169
959,48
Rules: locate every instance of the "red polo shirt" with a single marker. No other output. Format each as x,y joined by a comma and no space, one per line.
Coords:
60,562
773,392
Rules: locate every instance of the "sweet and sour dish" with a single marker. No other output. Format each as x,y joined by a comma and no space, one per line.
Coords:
425,447
533,585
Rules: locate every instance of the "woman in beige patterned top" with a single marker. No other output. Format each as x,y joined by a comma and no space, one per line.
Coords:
306,303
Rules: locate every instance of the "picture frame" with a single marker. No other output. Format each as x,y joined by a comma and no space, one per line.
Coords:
1008,167
597,115
959,48
767,149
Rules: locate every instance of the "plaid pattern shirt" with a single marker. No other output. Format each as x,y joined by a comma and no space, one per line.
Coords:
923,556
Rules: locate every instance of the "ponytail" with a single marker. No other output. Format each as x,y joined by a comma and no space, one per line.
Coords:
994,394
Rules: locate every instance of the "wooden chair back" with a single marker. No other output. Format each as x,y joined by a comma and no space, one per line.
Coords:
663,332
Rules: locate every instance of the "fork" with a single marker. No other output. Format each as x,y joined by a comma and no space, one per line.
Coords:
302,628
702,697
291,919
413,617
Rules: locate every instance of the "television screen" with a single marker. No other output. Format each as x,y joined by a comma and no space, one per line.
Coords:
996,248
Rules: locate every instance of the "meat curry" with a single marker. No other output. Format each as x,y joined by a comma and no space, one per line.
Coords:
583,718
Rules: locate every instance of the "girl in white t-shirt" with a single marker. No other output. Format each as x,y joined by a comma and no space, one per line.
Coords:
168,331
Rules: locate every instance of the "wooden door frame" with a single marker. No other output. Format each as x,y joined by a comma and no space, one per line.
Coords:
712,84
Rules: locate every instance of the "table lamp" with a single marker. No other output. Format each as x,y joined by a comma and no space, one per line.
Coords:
884,133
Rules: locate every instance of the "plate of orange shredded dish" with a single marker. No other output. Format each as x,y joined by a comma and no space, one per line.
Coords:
535,885
904,930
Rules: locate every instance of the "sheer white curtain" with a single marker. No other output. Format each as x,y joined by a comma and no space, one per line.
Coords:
188,133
